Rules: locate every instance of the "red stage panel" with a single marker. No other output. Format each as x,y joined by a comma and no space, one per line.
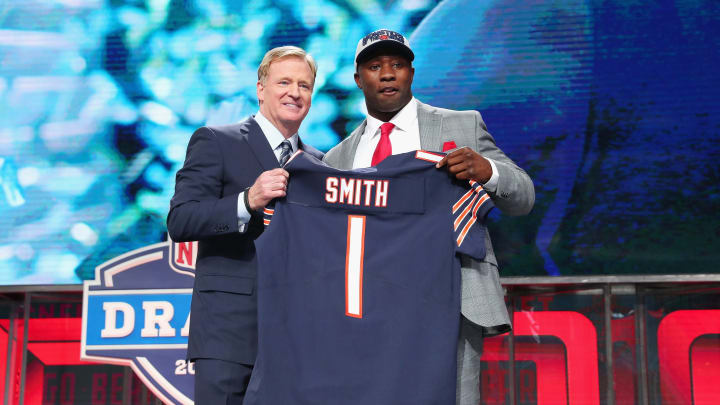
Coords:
705,360
567,373
676,333
549,360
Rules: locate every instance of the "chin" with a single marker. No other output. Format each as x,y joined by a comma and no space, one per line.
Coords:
392,108
293,121
297,117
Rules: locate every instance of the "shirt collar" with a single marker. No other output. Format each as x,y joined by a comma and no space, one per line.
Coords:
402,120
273,135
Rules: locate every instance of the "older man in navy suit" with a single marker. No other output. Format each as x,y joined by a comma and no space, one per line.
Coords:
229,175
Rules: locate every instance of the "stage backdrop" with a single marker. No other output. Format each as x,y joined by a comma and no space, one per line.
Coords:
611,106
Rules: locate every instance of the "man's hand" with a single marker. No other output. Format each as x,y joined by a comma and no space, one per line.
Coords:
270,184
466,164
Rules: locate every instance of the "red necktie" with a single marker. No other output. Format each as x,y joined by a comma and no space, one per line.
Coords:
384,147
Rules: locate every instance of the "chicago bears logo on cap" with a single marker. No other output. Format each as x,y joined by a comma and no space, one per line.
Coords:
383,37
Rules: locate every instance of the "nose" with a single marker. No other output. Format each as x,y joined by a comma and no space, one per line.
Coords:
294,90
387,73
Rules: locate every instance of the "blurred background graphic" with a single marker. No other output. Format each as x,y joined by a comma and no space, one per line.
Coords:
611,106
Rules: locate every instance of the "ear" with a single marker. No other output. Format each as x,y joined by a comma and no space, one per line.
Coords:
357,80
260,95
412,74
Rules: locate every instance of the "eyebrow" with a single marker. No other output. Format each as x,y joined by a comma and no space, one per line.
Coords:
287,78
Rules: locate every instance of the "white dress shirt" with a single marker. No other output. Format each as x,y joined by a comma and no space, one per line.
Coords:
275,139
405,137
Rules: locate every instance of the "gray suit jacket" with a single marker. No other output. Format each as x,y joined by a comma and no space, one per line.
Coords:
483,303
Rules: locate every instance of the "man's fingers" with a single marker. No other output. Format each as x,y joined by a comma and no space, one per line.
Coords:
466,164
458,167
273,185
280,192
274,173
461,155
281,172
280,185
457,156
463,175
454,160
269,185
442,162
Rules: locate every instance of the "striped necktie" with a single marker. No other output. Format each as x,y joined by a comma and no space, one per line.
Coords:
285,153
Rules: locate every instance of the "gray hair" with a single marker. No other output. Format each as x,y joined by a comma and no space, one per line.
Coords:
283,52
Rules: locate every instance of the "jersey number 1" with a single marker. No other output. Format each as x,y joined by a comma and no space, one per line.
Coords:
354,265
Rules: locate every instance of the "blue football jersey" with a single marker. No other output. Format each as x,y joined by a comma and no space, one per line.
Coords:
359,283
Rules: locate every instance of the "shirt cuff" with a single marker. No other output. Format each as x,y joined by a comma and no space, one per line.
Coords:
242,213
491,185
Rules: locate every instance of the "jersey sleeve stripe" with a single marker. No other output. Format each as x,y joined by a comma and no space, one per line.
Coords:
465,230
483,201
464,213
462,200
472,220
267,216
479,204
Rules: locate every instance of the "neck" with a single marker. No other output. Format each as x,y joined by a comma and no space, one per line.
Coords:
383,116
386,116
286,130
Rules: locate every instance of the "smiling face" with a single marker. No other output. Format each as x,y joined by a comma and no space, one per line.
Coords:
286,93
386,81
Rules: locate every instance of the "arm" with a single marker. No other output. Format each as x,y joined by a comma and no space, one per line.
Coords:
514,193
203,205
199,209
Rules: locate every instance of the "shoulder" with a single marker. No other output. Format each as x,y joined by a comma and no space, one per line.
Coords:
332,157
447,113
345,143
233,130
228,133
312,150
339,151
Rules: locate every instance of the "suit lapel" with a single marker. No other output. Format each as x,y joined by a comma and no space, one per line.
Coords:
429,123
347,155
309,149
260,145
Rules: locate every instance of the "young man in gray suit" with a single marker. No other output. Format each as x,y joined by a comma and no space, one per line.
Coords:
396,123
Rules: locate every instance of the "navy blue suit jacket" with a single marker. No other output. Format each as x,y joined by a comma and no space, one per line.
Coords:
220,163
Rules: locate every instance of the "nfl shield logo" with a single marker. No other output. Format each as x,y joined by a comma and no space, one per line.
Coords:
136,312
183,256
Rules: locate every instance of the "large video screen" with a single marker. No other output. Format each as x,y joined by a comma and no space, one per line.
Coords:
611,106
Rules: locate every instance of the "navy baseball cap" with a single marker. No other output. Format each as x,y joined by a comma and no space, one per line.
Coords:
383,39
